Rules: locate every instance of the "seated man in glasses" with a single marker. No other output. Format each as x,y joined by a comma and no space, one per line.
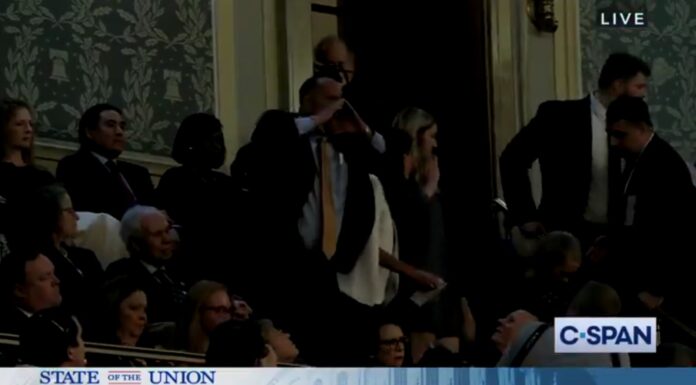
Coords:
652,213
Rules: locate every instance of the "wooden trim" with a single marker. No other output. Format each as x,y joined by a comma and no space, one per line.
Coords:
126,351
327,9
567,59
225,76
53,151
298,48
505,79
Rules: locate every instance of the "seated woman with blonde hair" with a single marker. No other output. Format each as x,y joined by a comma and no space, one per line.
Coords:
207,306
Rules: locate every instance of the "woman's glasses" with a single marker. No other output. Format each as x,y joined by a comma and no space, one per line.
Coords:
394,342
217,309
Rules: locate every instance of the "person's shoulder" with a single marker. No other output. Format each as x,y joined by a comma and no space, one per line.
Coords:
123,266
80,253
564,106
127,166
77,157
173,173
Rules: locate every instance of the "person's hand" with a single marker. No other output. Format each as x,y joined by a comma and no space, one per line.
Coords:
363,126
426,279
532,229
432,177
271,358
650,301
325,115
241,311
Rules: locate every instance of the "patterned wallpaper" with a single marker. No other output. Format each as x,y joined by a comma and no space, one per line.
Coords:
668,44
153,58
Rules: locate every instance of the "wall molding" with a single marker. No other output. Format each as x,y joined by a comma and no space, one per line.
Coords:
567,57
505,74
298,20
49,152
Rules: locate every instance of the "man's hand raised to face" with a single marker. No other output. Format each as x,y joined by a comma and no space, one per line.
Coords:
326,114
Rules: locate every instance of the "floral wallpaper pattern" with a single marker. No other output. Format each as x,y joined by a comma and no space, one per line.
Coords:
668,45
153,58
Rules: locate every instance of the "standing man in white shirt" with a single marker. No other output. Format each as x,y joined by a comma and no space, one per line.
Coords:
569,139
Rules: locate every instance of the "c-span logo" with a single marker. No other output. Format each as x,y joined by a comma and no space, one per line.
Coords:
605,335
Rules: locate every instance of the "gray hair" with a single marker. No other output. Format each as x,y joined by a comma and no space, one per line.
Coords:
556,246
595,300
413,120
132,222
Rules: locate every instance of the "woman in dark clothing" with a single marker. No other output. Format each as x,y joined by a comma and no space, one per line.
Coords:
123,321
18,175
200,199
46,219
411,188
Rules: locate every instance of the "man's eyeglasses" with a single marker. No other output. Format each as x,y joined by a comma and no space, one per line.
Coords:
617,134
394,342
217,309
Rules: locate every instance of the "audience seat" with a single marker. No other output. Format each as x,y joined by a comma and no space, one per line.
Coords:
100,233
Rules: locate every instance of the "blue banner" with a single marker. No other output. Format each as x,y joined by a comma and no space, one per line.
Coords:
377,376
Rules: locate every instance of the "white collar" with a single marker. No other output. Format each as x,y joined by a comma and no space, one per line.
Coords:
648,143
152,269
26,313
597,106
102,158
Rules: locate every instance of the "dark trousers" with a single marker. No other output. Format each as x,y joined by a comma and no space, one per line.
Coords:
329,327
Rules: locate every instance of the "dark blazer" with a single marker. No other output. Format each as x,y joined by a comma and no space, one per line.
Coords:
285,171
208,206
560,137
164,299
657,247
80,275
16,182
12,320
93,188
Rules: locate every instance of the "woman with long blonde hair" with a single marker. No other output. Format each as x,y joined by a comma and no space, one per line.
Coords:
421,160
208,305
414,199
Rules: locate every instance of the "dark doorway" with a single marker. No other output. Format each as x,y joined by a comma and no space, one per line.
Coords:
432,54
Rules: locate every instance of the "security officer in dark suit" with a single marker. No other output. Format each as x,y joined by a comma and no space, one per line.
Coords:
94,177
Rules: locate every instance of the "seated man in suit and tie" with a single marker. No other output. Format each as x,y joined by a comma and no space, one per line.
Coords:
652,214
29,284
568,139
146,232
96,180
317,205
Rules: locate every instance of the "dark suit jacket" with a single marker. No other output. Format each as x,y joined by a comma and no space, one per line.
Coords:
560,137
164,301
92,188
80,278
657,249
12,320
279,170
209,208
286,171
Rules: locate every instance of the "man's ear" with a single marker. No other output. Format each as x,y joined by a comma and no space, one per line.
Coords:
19,291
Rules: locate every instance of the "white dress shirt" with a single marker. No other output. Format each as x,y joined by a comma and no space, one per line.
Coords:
309,224
598,199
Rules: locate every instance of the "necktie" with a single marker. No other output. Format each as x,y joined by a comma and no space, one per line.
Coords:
111,165
328,240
